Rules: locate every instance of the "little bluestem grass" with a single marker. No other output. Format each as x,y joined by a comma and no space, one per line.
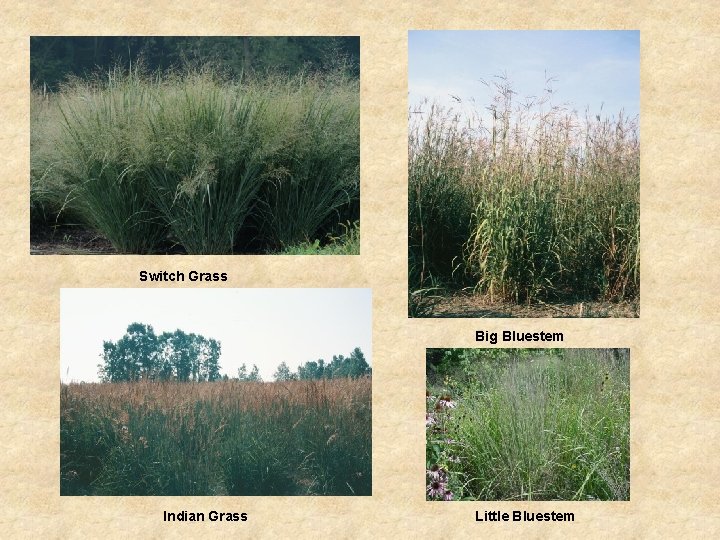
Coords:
533,425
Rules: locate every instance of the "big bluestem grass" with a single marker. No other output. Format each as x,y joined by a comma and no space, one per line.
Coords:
535,203
191,156
440,201
220,438
540,426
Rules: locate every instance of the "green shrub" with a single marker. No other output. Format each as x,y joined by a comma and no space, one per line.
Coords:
348,243
316,171
206,161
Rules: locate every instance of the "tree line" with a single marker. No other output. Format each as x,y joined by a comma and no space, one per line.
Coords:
54,58
142,355
352,366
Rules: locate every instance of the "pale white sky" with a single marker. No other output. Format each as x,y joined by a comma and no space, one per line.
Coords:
591,68
254,326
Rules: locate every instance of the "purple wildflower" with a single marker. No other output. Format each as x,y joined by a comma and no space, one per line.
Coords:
446,402
437,474
436,489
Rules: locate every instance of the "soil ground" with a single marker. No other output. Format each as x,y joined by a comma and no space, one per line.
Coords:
469,305
79,240
68,240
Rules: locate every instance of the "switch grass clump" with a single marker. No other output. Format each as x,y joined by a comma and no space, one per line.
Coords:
197,160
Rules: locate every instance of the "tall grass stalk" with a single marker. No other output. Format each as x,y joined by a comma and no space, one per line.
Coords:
98,159
219,438
206,162
47,191
313,175
535,203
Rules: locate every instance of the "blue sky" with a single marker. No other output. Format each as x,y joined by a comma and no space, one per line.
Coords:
590,68
254,326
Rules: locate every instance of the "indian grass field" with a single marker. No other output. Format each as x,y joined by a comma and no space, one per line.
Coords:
216,438
195,162
531,202
531,424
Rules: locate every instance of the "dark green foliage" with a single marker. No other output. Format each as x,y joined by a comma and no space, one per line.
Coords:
312,370
54,58
352,366
140,354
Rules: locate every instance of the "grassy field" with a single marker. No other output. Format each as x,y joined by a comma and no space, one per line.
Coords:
195,162
216,438
537,203
528,424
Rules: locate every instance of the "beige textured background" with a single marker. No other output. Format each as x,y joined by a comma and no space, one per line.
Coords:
674,359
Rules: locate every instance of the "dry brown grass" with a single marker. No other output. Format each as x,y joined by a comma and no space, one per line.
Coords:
243,396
